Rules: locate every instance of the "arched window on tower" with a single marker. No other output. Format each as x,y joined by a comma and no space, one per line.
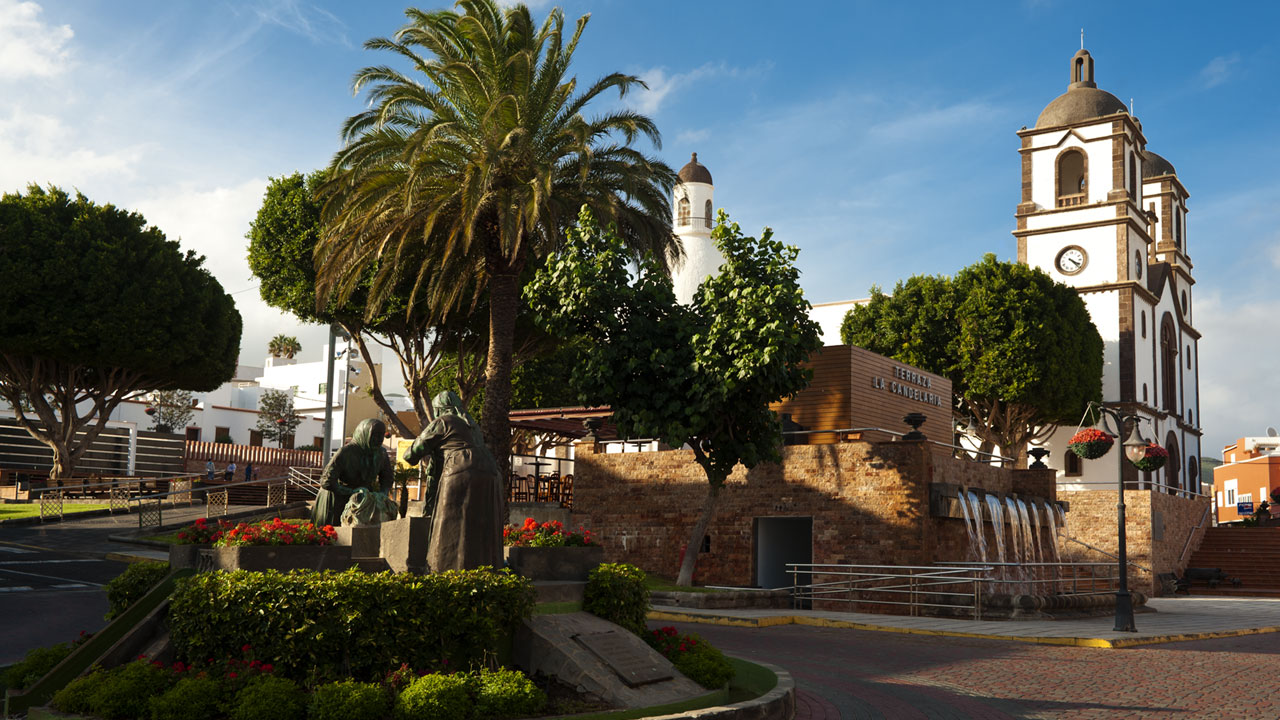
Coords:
1168,365
708,214
1072,179
682,216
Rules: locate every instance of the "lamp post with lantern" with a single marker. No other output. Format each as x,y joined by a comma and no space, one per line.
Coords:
1135,450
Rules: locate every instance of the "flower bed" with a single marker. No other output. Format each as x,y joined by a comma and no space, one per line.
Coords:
1091,443
695,658
1153,459
276,532
202,532
548,534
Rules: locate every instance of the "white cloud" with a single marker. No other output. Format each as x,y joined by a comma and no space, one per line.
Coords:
213,222
1238,389
310,21
661,84
934,122
686,137
29,47
1219,70
40,148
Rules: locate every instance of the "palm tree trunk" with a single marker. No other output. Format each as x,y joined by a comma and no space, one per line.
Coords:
504,302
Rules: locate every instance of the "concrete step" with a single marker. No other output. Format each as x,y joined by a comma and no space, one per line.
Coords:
559,590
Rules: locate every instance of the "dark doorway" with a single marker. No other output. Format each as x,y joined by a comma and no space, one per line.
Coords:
778,541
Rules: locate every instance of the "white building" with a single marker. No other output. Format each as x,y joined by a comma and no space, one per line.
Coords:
694,217
1105,215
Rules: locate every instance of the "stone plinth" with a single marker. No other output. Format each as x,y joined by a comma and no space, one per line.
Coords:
403,543
365,541
185,556
554,563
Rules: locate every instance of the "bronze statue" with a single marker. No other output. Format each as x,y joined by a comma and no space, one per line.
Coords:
357,478
465,490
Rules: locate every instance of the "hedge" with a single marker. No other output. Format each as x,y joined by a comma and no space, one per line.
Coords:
318,626
129,586
617,593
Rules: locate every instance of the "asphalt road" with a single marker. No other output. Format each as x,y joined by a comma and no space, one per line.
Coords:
49,595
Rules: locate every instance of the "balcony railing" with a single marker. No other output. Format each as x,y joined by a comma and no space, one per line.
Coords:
1071,200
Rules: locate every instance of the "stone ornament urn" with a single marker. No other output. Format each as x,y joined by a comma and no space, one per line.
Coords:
554,563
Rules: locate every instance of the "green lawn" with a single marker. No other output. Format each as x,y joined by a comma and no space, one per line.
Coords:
9,511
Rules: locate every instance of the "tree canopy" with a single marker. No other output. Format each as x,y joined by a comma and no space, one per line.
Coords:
702,375
473,165
277,420
1020,349
97,306
170,410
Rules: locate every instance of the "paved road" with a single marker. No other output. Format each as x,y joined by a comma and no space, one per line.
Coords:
851,674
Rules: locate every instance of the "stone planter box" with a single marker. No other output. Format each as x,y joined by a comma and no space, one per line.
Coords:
282,557
185,556
554,563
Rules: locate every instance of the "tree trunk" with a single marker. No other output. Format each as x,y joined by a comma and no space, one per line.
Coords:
691,549
504,303
375,390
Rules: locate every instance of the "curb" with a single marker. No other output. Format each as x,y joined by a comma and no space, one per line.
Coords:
127,558
777,704
1091,642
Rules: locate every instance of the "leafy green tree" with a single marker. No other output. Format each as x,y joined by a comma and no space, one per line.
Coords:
284,346
282,243
171,410
474,165
276,419
702,375
1020,349
97,307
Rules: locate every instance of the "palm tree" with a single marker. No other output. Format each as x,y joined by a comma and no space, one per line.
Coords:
284,346
478,163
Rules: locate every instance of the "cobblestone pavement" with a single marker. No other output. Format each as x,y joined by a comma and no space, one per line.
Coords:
849,674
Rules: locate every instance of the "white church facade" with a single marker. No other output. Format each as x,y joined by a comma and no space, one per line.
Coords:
1103,214
1098,212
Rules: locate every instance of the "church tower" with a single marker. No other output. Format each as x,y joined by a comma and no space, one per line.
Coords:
694,215
1103,214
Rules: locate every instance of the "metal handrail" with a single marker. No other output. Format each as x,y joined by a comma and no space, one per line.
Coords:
912,583
115,483
1204,517
896,433
1104,552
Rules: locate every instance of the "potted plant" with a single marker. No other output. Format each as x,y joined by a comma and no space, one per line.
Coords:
1091,443
547,551
279,545
200,535
1152,459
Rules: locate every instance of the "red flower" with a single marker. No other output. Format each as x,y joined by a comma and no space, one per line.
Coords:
246,647
232,675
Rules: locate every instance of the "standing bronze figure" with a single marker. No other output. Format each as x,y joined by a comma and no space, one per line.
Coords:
465,490
360,470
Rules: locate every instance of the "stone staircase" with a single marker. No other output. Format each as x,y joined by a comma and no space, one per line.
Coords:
1251,554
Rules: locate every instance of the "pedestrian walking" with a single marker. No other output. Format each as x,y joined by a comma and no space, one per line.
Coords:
230,473
248,472
208,471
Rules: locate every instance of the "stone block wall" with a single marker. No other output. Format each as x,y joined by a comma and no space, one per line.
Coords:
1157,526
869,503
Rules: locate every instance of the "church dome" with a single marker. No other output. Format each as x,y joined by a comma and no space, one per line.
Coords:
1079,103
1082,100
695,171
1154,166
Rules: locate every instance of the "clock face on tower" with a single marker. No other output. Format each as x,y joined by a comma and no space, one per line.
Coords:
1071,260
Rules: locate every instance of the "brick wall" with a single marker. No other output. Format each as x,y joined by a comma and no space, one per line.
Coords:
1092,519
869,503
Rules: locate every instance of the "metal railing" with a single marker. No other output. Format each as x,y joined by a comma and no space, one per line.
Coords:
306,479
842,436
1111,555
1186,547
150,507
912,586
119,492
1048,578
563,466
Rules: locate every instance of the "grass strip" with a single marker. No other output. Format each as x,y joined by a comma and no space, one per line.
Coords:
11,511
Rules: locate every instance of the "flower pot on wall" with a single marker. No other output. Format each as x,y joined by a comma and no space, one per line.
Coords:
554,563
283,557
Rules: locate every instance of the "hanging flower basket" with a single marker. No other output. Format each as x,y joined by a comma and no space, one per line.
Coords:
1091,443
1153,460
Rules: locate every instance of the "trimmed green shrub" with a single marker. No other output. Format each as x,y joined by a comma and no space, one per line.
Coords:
269,696
349,700
129,586
123,693
508,694
617,593
36,664
325,626
193,698
436,697
704,664
77,696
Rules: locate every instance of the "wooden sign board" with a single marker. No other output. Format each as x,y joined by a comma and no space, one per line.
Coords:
855,388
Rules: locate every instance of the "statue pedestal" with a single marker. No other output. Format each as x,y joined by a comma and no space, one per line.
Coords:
365,540
404,544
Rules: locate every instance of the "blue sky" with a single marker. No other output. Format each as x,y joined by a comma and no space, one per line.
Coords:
879,138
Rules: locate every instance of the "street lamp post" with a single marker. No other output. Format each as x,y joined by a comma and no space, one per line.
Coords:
1134,450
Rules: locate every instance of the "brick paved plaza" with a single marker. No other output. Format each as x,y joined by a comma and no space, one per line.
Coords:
849,674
